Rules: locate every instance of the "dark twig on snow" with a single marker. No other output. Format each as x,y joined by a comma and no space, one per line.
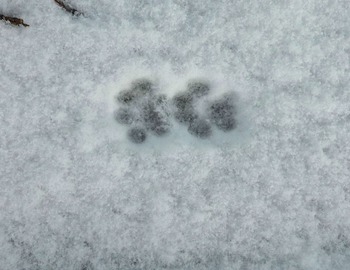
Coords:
68,8
13,20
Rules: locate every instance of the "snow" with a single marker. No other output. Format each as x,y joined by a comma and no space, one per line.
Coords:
272,194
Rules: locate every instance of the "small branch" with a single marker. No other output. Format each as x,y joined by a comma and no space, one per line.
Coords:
13,20
67,8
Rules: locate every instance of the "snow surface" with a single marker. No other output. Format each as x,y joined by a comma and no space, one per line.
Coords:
75,194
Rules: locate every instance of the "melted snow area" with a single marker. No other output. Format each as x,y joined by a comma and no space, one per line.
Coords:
270,192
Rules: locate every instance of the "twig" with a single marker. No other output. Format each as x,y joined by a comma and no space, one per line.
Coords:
13,20
67,8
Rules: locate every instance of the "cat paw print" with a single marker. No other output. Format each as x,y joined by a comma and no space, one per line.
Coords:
185,112
220,113
143,109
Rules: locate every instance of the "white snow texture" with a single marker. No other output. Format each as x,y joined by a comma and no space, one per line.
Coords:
272,194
